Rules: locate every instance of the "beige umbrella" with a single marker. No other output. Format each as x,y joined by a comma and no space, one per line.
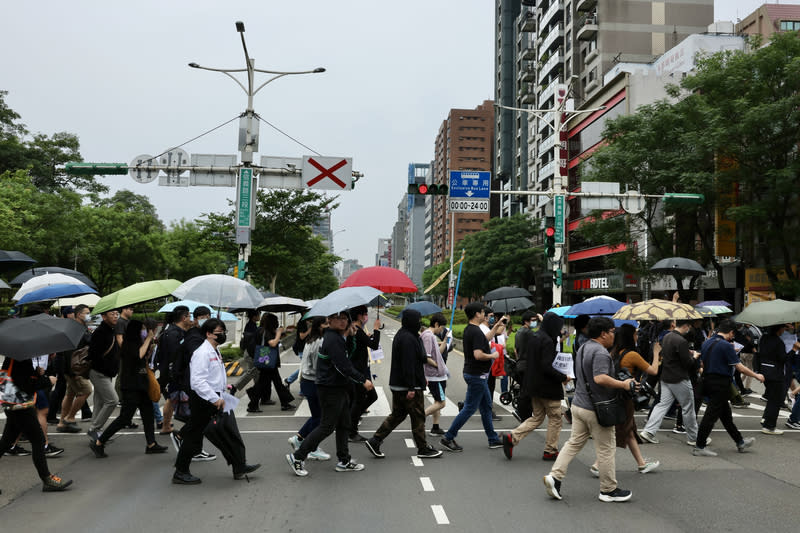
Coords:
656,309
87,299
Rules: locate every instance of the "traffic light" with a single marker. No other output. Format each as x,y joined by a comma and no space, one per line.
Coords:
425,189
558,277
550,237
90,169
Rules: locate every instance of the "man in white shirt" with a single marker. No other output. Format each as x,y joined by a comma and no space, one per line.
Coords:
208,381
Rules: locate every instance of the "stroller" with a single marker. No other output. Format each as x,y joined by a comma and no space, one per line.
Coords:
511,396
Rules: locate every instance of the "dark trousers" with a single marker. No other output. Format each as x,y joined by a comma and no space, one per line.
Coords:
401,408
335,405
192,432
774,391
267,376
25,421
57,396
361,399
132,400
309,390
718,390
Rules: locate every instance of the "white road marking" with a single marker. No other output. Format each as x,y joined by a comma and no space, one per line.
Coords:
427,486
440,515
416,461
409,443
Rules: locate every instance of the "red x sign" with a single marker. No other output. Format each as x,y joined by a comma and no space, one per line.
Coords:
327,172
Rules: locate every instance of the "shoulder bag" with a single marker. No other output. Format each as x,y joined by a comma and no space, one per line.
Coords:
11,396
609,412
80,364
265,356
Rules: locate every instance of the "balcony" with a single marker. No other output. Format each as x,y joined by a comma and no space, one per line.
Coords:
548,143
590,56
556,8
585,5
547,171
553,39
528,73
527,21
591,86
528,51
554,60
548,92
587,28
525,95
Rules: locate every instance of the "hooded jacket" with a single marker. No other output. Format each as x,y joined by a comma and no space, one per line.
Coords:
408,355
334,368
771,357
541,379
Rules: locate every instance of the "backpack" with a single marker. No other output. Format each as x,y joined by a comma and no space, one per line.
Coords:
80,363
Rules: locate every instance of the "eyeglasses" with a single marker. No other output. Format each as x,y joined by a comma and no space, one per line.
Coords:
611,331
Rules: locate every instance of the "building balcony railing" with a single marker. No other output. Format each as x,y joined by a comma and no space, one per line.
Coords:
547,171
527,20
548,91
528,52
556,8
528,72
553,39
555,59
590,56
526,96
585,5
587,27
547,144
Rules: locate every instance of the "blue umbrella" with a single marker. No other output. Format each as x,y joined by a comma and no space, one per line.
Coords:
561,311
596,305
191,304
424,308
343,299
708,303
53,292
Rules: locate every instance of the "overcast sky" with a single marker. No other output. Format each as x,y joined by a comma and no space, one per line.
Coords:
116,75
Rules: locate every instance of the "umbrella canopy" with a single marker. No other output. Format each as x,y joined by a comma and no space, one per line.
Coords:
136,294
220,291
770,313
38,271
678,266
708,303
191,304
26,338
13,260
87,299
656,309
424,308
53,292
343,299
502,293
511,305
4,285
385,279
45,280
596,305
561,311
279,304
717,309
705,312
379,301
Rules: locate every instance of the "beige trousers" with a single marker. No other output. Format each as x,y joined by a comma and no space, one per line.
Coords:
541,407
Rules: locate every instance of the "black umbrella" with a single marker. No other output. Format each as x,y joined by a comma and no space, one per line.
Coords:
678,266
38,271
13,260
511,305
26,338
502,293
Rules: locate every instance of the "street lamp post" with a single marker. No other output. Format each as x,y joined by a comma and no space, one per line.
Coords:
248,135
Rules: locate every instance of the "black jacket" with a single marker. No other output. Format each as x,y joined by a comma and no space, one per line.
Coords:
408,355
771,358
25,377
541,379
104,360
522,342
358,344
334,368
179,370
677,363
169,344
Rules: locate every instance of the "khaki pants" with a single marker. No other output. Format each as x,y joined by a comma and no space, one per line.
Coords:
541,407
747,360
584,424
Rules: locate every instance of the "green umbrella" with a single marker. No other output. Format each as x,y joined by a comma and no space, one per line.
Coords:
136,294
770,313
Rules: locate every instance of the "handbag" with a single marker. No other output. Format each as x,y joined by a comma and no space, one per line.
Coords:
609,412
265,356
79,363
11,397
153,388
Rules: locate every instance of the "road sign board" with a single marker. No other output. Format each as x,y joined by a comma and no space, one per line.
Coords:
558,213
470,184
458,205
334,173
244,194
140,169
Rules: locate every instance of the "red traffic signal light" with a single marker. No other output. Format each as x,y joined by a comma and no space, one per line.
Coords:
422,189
550,231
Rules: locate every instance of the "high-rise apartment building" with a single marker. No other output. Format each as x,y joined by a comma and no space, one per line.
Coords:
399,236
384,255
415,223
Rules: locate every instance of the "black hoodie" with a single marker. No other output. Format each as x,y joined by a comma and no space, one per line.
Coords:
408,355
541,379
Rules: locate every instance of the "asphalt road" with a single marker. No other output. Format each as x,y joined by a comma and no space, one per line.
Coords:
477,490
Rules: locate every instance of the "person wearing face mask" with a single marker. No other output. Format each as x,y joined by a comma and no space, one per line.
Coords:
78,387
136,346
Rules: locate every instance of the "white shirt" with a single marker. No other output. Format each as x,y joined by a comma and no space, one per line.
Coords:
207,373
41,361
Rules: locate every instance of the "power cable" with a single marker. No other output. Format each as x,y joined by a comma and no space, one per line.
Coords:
286,134
195,138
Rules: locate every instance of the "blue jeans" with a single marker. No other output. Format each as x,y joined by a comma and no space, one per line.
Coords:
157,413
795,416
291,379
309,391
478,398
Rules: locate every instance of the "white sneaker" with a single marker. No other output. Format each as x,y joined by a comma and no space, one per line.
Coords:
294,442
349,467
648,466
319,455
647,437
297,466
204,456
704,452
694,443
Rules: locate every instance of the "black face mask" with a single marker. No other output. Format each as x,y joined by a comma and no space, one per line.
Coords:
221,338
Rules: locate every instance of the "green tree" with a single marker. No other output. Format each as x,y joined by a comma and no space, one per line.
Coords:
189,251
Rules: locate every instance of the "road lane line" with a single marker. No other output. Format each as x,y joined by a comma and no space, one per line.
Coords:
427,486
416,461
409,443
440,515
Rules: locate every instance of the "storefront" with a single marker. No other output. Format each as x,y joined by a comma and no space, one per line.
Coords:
624,287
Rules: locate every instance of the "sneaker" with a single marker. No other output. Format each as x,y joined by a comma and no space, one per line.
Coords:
694,443
294,442
185,478
746,443
52,421
680,430
374,447
648,466
703,452
616,495
356,438
747,391
771,431
241,472
763,398
493,444
155,448
287,407
68,429
203,456
647,437
792,425
319,455
428,452
508,445
52,450
594,471
552,486
451,445
740,405
18,451
132,425
350,466
460,405
297,465
549,456
55,484
99,450
93,435
437,431
176,439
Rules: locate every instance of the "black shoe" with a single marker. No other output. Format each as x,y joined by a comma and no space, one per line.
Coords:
156,448
68,429
159,425
185,478
616,495
18,451
356,438
267,402
451,445
460,405
374,447
287,407
437,431
508,445
176,439
52,421
494,444
99,451
428,452
747,391
242,471
55,484
254,410
51,450
132,425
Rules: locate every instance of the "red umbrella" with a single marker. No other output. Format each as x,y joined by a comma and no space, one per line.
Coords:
385,279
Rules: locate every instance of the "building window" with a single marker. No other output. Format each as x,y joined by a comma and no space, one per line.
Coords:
790,25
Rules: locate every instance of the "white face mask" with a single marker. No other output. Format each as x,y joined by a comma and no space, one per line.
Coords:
87,318
201,322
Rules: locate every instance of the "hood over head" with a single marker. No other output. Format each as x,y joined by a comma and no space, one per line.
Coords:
412,320
552,324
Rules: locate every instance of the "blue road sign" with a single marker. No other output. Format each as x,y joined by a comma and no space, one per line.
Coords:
469,184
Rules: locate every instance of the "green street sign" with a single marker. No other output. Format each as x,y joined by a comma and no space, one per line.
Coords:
90,169
244,197
558,213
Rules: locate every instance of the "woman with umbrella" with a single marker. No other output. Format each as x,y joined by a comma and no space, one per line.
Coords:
136,346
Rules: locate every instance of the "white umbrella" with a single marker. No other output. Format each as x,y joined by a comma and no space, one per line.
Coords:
87,299
343,299
45,280
220,291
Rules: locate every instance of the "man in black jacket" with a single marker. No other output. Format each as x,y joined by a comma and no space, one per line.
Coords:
104,353
358,346
771,363
543,385
522,342
407,382
335,374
